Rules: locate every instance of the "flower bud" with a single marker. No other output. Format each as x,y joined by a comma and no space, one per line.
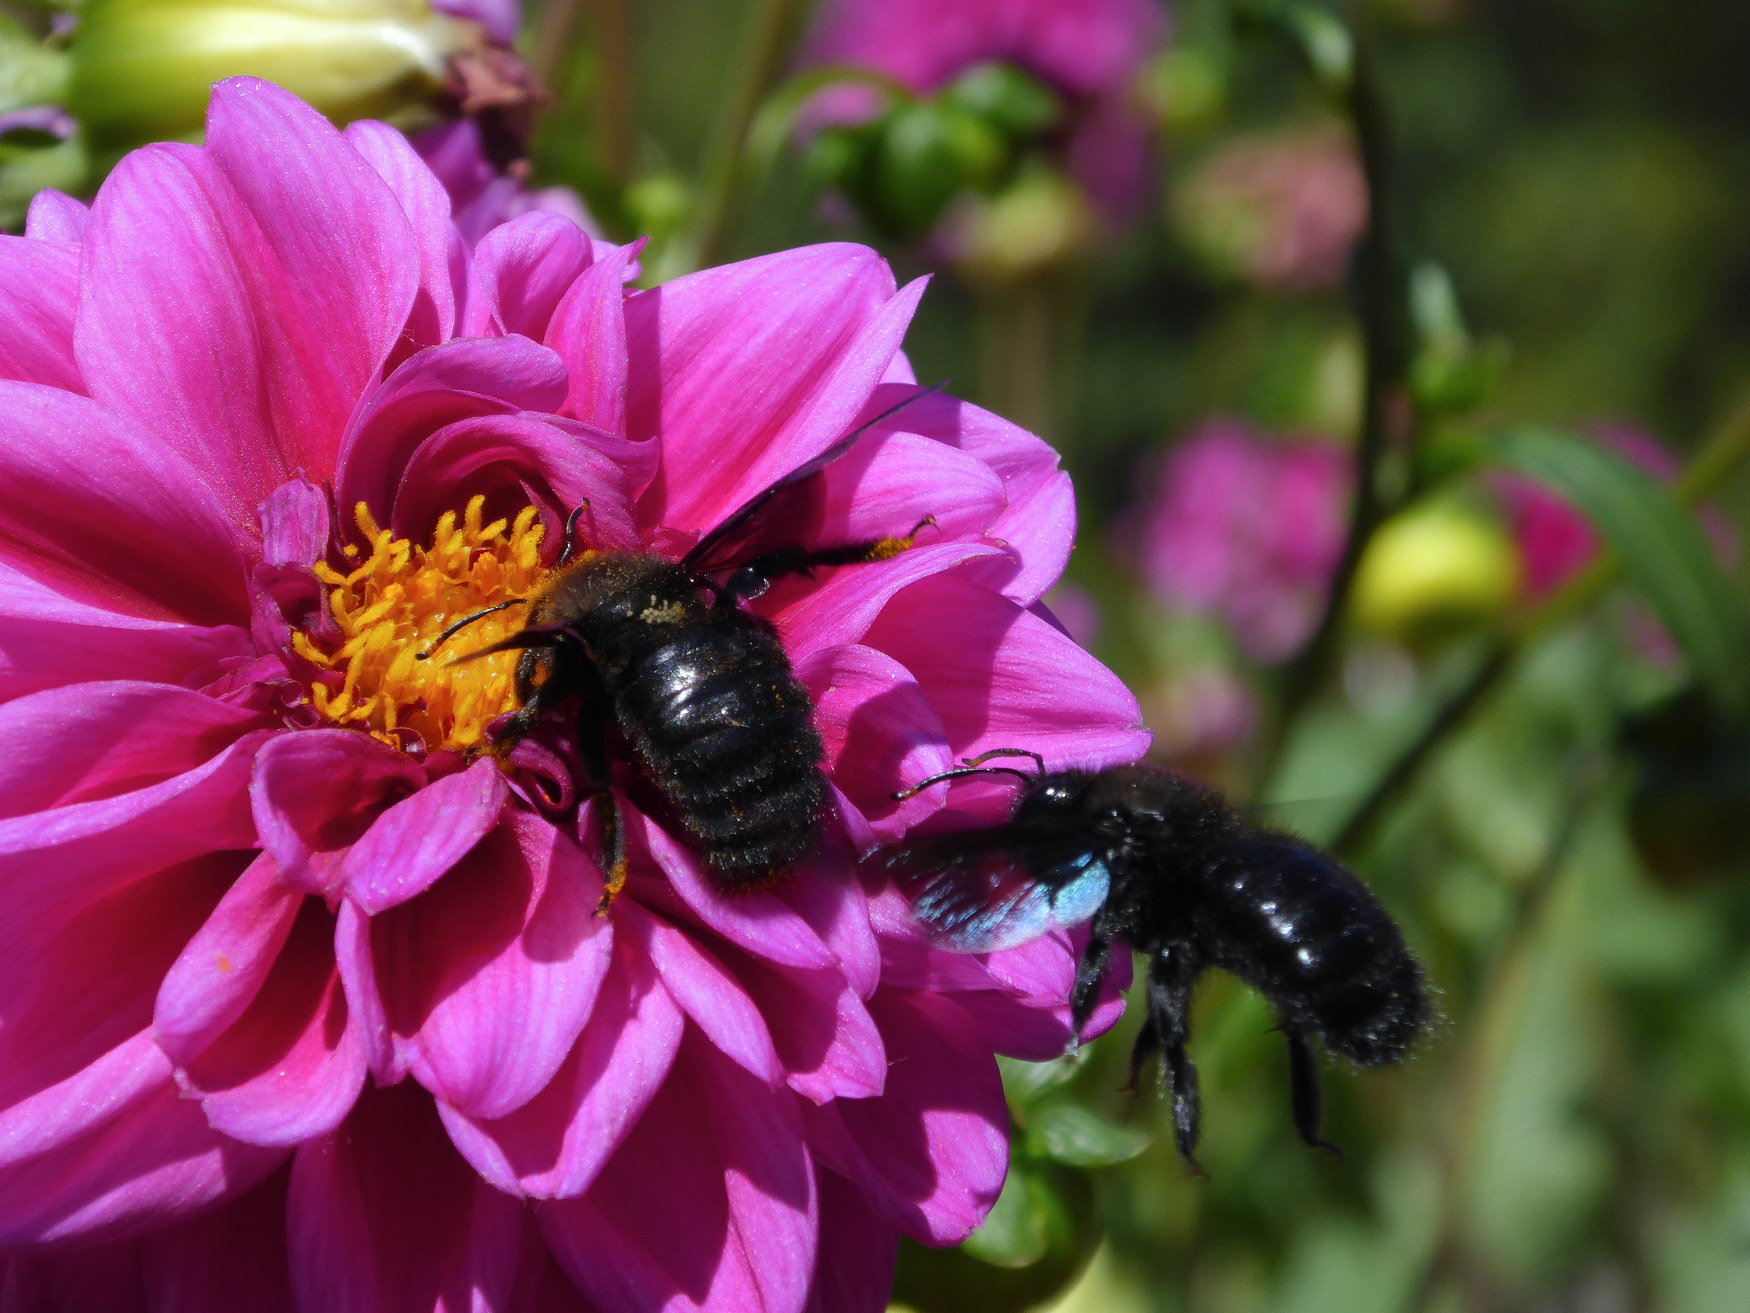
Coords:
1435,570
142,69
1028,228
930,152
1010,100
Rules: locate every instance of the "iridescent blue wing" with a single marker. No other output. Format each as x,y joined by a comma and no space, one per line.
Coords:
983,890
732,541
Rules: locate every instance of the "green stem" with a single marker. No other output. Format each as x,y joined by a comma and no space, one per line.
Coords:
1382,300
1701,478
767,44
553,32
611,23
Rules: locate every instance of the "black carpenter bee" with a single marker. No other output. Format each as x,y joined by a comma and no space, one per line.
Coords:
1168,867
701,688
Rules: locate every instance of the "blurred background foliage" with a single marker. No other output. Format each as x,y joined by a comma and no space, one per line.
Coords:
1545,774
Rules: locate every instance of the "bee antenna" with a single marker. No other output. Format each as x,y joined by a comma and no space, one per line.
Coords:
983,757
424,654
962,772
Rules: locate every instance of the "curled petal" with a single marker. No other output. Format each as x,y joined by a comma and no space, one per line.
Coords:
384,1216
418,839
930,1154
489,976
521,270
56,217
290,1067
114,1151
554,1146
314,794
427,207
588,330
709,1204
438,386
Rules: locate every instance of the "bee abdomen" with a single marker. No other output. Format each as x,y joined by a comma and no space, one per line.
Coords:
722,724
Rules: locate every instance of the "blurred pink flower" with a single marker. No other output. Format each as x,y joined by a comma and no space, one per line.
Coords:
306,1006
1282,209
500,18
1087,50
1246,529
1555,541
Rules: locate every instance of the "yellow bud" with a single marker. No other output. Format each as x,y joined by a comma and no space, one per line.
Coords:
142,69
1435,570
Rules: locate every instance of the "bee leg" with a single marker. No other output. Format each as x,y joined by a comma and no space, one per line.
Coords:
1169,1027
1303,1088
592,742
1089,973
759,574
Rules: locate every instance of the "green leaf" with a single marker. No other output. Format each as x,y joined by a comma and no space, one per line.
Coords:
1017,1231
1072,1135
1664,551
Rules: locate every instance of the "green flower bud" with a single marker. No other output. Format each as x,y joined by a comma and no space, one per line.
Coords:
1435,570
1031,226
1015,103
142,69
929,153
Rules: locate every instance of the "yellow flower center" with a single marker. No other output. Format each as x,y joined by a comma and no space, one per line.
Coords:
397,601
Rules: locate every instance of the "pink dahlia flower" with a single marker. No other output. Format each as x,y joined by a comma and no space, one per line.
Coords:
1283,210
304,1003
1244,528
1089,51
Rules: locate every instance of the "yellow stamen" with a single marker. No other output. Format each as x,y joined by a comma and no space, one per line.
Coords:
397,599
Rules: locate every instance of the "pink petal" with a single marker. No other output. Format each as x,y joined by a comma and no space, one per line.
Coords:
554,1146
707,993
853,1270
73,855
231,1259
842,609
490,975
291,1066
48,638
357,965
932,1152
296,521
438,386
513,460
588,330
61,1015
223,967
56,217
748,370
113,1151
427,206
881,733
87,497
39,288
756,921
1040,519
315,793
826,894
708,1205
827,1042
351,265
384,1217
521,270
92,741
1009,679
417,840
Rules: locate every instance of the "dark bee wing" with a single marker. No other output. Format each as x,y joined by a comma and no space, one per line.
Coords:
723,547
977,893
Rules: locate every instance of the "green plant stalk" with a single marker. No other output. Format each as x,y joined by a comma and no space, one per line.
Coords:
611,25
767,44
1701,478
1382,311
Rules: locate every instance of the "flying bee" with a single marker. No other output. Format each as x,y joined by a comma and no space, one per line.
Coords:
1166,866
666,653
